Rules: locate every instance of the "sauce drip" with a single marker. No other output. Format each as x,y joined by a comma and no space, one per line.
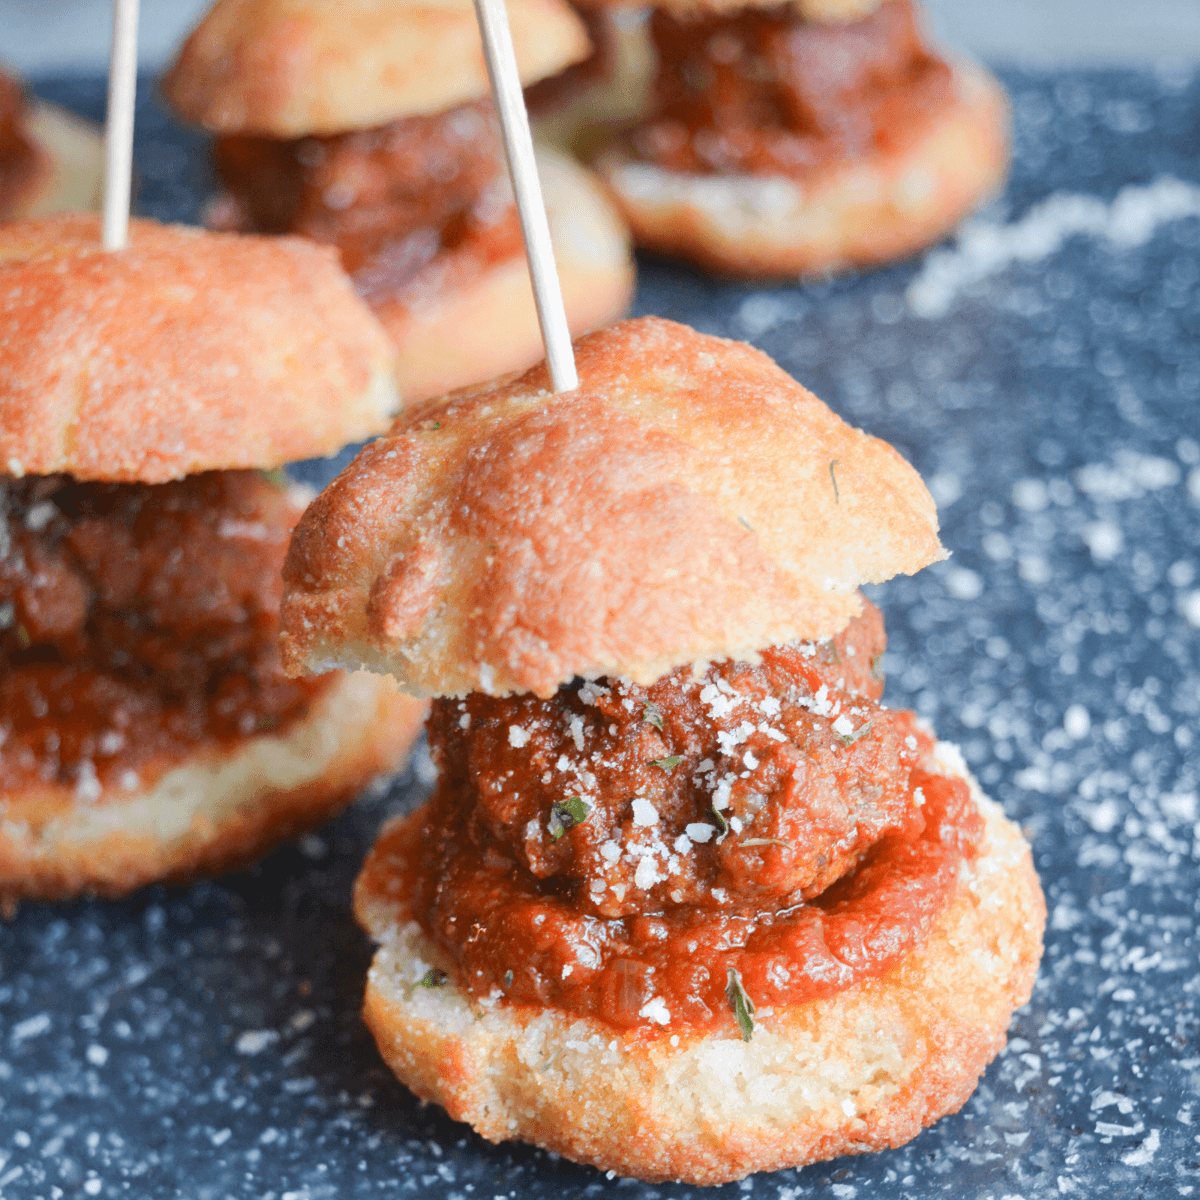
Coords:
138,623
764,92
616,851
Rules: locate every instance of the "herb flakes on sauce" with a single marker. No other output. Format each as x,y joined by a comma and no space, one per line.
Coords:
566,814
433,978
850,738
651,715
741,1004
277,477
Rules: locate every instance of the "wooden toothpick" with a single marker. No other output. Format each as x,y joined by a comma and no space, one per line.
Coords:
522,169
118,124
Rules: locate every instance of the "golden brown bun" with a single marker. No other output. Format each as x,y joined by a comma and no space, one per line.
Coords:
213,812
689,501
490,327
287,68
74,157
862,1070
187,351
862,213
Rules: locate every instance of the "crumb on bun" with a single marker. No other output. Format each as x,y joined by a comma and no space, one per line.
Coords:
213,811
290,68
186,351
489,327
874,209
862,1070
690,500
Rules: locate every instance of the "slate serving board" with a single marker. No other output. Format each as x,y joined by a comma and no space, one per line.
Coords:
205,1043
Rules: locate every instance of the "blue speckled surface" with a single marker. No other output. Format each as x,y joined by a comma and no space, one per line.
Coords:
205,1043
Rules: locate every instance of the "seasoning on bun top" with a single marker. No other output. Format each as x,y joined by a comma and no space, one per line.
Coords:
688,501
687,901
148,730
369,127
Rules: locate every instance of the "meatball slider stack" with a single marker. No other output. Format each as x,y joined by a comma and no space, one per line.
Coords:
50,160
687,902
807,137
368,126
147,398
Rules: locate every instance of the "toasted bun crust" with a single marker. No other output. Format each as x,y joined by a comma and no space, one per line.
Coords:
854,214
187,351
212,813
490,327
689,501
74,156
863,1070
287,68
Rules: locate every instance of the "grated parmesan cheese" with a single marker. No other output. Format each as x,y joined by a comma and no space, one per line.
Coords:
644,813
646,875
655,1009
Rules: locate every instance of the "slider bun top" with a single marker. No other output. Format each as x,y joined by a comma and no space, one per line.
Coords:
291,68
680,505
187,351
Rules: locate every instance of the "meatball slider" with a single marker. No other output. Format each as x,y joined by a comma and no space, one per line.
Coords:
687,902
147,398
50,160
802,138
368,126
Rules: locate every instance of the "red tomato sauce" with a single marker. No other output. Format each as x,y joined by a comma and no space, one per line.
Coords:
616,851
765,92
138,624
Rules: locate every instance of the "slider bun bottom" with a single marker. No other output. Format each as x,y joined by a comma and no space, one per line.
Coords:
863,1070
75,149
876,209
215,811
490,327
